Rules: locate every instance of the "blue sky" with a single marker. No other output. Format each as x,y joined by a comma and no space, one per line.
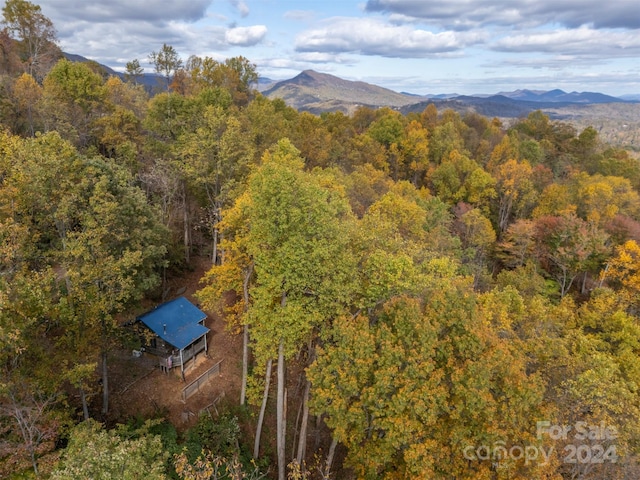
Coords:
422,47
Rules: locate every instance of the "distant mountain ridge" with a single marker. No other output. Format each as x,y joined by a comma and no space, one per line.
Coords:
561,96
318,92
148,80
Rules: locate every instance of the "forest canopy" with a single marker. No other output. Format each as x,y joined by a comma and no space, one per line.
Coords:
447,290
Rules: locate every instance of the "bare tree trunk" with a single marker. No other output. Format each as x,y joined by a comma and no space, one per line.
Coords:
29,431
603,274
105,385
316,436
245,364
294,436
506,205
85,408
28,413
263,407
185,220
34,463
30,120
302,440
214,253
280,415
245,336
329,462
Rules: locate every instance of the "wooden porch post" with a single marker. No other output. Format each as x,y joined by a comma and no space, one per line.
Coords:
181,364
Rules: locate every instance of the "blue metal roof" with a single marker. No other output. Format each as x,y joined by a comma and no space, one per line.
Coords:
176,322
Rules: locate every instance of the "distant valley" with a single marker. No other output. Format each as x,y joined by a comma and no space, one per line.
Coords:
318,92
617,119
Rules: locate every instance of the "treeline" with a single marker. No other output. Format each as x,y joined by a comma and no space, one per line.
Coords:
449,289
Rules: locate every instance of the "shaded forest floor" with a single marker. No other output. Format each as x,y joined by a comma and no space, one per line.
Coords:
139,388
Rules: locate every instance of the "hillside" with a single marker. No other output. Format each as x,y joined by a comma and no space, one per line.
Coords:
442,255
617,119
150,81
616,123
319,92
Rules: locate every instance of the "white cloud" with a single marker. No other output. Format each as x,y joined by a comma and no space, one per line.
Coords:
582,42
242,7
464,39
368,36
151,11
322,57
514,13
245,36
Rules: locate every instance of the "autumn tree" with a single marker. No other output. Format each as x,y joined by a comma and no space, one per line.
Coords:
585,355
460,179
600,198
114,258
555,199
623,270
616,161
240,77
388,130
515,191
415,150
215,160
118,136
234,275
166,62
74,97
94,452
172,118
342,132
10,62
406,388
311,137
35,35
94,226
298,243
567,246
30,418
517,244
269,121
444,139
133,71
477,236
28,94
364,186
237,76
409,222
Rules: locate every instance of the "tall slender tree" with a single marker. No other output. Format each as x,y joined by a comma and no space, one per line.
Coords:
166,62
35,33
299,246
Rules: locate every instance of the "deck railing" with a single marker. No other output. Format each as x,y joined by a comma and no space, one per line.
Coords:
176,361
194,386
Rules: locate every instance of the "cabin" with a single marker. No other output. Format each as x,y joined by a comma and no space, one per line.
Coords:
179,333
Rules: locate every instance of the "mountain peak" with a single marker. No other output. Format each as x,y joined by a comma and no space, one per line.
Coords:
315,91
311,77
320,92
